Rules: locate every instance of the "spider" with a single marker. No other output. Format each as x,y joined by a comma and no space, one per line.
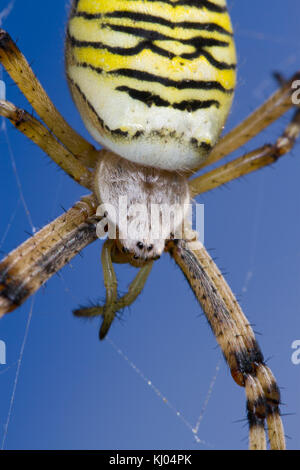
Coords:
32,264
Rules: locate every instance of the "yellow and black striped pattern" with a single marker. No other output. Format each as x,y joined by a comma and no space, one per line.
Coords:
153,79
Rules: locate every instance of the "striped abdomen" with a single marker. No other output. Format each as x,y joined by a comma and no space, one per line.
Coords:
153,80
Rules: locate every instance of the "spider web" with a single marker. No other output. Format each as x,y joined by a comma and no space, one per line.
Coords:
3,15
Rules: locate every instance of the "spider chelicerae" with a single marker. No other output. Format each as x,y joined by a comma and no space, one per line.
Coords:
56,244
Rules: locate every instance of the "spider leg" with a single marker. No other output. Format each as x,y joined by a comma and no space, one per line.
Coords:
114,304
111,285
271,110
265,377
250,162
20,71
236,339
41,136
135,288
30,265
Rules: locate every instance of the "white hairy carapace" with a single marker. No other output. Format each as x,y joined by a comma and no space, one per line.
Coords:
147,205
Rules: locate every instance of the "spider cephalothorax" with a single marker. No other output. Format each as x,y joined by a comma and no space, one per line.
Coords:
143,205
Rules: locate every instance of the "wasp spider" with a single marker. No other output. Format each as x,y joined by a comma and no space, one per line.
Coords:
154,82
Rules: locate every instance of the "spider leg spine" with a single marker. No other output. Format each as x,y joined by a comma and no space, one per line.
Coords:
30,265
250,162
42,137
236,339
21,73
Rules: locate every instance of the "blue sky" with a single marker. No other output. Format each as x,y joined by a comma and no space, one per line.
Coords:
76,393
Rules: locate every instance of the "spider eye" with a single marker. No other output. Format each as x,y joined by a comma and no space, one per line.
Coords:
140,245
150,248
